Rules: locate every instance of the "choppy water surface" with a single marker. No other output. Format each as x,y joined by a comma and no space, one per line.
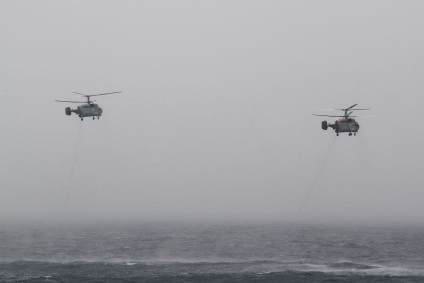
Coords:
211,253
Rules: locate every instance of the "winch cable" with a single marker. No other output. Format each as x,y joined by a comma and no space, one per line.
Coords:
312,186
71,173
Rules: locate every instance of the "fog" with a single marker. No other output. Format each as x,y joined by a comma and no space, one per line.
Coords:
214,120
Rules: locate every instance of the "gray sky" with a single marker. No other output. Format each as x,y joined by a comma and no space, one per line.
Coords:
214,122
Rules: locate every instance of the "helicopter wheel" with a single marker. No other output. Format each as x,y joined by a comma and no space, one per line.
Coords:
93,117
82,118
350,134
337,134
98,117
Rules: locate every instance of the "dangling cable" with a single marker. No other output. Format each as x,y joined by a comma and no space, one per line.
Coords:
72,172
312,185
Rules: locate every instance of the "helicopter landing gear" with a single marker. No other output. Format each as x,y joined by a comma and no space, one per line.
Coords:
337,134
354,134
98,117
93,117
350,134
82,118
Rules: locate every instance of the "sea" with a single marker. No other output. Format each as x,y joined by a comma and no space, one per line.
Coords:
167,252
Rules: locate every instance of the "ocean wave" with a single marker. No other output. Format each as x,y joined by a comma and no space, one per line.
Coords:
347,267
225,266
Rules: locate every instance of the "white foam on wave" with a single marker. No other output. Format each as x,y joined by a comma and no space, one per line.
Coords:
359,268
395,271
337,268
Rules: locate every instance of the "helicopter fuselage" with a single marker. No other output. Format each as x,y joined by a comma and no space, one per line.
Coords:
86,110
344,125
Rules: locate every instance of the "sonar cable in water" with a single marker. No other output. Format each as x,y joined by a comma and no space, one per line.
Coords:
72,171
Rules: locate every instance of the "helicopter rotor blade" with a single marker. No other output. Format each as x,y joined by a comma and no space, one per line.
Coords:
89,95
328,115
70,101
343,109
346,109
104,93
327,109
351,107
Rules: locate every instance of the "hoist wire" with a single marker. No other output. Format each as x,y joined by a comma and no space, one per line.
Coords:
72,172
312,186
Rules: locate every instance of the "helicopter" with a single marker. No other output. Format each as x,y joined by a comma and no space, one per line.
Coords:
346,124
88,109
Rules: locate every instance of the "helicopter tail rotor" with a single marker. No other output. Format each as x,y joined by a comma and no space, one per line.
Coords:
325,125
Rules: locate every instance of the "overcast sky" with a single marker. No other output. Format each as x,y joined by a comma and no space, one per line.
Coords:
214,121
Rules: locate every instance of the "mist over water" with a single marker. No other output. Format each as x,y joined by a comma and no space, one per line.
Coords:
214,119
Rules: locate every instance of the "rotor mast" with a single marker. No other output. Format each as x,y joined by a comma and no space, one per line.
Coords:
346,115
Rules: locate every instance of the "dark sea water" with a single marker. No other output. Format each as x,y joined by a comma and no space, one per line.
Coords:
211,253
